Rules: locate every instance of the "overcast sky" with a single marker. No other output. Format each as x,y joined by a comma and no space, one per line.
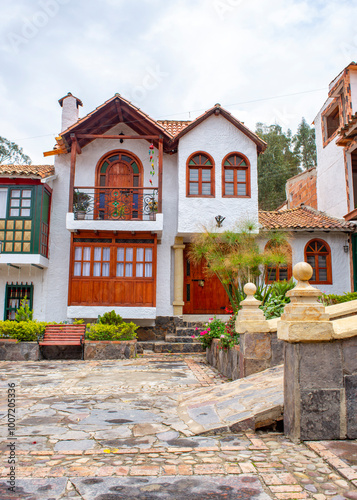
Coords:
264,61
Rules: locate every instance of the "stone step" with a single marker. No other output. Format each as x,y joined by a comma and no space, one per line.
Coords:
176,338
187,332
178,347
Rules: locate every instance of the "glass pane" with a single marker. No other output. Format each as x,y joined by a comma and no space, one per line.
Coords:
206,175
25,212
96,269
97,253
102,180
322,260
139,270
86,253
206,188
106,254
120,270
114,158
129,270
148,255
283,273
26,203
193,174
120,255
241,175
208,162
126,158
140,254
241,190
196,159
243,164
15,203
229,190
15,193
129,254
26,193
136,181
135,168
271,273
86,268
105,269
104,167
77,269
322,274
229,175
193,188
78,253
310,260
148,270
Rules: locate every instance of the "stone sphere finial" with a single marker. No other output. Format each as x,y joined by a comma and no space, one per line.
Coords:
249,289
302,271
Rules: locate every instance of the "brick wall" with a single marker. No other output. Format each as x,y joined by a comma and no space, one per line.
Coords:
302,189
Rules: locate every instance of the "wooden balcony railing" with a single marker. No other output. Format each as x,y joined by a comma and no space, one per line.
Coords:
115,203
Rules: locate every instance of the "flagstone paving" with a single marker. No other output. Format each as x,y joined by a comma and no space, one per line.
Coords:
110,430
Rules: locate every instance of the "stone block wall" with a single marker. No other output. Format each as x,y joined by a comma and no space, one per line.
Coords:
225,361
322,377
109,349
10,350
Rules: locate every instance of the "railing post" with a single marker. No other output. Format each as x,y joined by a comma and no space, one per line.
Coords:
313,374
255,351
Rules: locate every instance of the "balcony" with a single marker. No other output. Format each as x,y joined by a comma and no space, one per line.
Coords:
115,209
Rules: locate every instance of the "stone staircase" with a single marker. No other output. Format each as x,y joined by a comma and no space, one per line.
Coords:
177,339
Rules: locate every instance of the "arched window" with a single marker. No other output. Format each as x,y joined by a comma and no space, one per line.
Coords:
279,272
318,255
200,175
235,176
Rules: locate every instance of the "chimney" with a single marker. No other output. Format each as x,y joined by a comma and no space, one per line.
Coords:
69,104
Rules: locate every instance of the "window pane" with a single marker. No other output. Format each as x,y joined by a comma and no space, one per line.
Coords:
26,203
26,193
206,175
129,270
139,270
271,271
106,254
322,260
86,253
97,253
14,212
148,270
193,188
15,193
96,269
120,270
25,212
206,188
77,269
322,274
3,203
229,190
78,253
15,203
129,254
283,273
241,190
148,255
86,268
193,174
105,269
140,254
228,175
241,175
311,260
120,254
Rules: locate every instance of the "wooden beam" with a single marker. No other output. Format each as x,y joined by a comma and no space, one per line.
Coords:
119,110
71,175
161,157
74,139
54,152
101,136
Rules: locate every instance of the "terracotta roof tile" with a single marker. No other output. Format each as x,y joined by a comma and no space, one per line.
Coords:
38,171
174,126
301,218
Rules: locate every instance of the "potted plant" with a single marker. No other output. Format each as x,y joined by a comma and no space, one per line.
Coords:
153,208
81,202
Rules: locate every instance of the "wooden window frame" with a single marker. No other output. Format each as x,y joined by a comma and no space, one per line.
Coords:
200,167
326,114
235,169
289,267
317,281
31,207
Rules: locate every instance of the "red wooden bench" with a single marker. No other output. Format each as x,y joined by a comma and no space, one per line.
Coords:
64,335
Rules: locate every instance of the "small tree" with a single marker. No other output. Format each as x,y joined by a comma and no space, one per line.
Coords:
236,258
10,153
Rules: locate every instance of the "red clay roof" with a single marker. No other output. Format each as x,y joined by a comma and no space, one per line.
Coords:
37,171
174,126
301,218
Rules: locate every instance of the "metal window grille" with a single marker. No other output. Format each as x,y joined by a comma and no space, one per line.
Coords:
14,293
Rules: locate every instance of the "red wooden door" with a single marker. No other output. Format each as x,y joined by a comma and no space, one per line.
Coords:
202,294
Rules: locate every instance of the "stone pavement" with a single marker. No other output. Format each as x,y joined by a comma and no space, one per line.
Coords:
110,430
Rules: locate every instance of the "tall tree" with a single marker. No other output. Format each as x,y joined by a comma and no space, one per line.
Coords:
10,152
304,145
275,166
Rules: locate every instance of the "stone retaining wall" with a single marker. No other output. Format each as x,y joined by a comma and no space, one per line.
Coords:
124,349
11,350
226,361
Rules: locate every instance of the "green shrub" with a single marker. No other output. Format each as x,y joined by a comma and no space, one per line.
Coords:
110,318
24,312
99,331
23,331
331,299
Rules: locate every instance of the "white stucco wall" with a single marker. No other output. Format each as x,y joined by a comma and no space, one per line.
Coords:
330,174
340,261
217,137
